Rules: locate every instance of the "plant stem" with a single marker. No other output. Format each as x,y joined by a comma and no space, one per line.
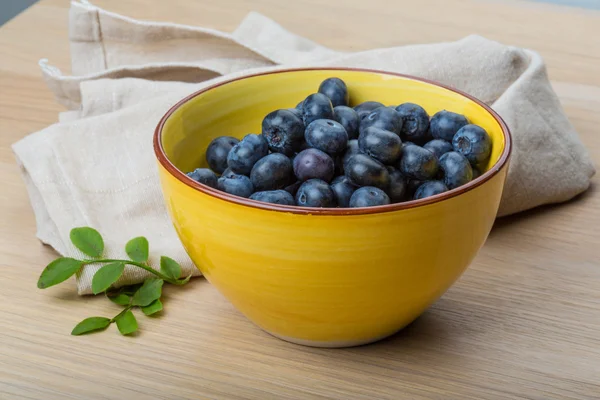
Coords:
121,313
137,264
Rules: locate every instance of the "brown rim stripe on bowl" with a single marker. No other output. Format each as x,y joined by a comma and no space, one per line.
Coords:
168,165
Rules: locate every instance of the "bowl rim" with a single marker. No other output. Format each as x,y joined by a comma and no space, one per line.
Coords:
183,178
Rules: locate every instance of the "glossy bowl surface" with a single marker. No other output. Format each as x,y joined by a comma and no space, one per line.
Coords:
324,277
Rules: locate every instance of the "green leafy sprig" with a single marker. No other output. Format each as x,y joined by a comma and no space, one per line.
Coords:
145,296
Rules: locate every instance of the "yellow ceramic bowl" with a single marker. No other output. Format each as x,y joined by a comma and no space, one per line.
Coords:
324,277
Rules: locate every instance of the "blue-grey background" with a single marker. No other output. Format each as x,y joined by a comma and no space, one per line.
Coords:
10,8
593,4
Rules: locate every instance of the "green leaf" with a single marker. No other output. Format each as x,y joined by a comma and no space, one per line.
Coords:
151,290
126,323
131,289
120,299
106,276
90,325
153,307
58,271
88,240
184,280
137,249
170,267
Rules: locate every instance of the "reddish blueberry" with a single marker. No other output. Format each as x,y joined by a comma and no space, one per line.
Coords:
313,163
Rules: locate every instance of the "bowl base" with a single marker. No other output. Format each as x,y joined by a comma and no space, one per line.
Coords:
333,343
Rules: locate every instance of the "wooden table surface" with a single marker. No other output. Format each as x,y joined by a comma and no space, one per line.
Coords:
523,321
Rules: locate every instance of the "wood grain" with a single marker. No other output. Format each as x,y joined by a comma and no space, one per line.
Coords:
522,323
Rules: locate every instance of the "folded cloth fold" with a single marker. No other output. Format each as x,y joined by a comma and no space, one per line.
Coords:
96,166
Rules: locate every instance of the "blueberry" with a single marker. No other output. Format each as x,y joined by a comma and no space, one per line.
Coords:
364,109
351,149
444,124
303,146
369,196
476,172
412,186
382,145
418,163
272,172
338,163
430,188
456,169
205,176
363,170
217,151
349,120
415,120
293,188
228,173
283,131
383,118
398,185
246,153
336,90
315,193
438,147
316,106
238,185
342,190
297,112
313,163
299,105
474,143
326,135
275,197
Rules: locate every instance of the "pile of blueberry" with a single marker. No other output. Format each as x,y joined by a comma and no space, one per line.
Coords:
325,154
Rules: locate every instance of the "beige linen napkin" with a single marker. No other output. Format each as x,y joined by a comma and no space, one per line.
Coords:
96,166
